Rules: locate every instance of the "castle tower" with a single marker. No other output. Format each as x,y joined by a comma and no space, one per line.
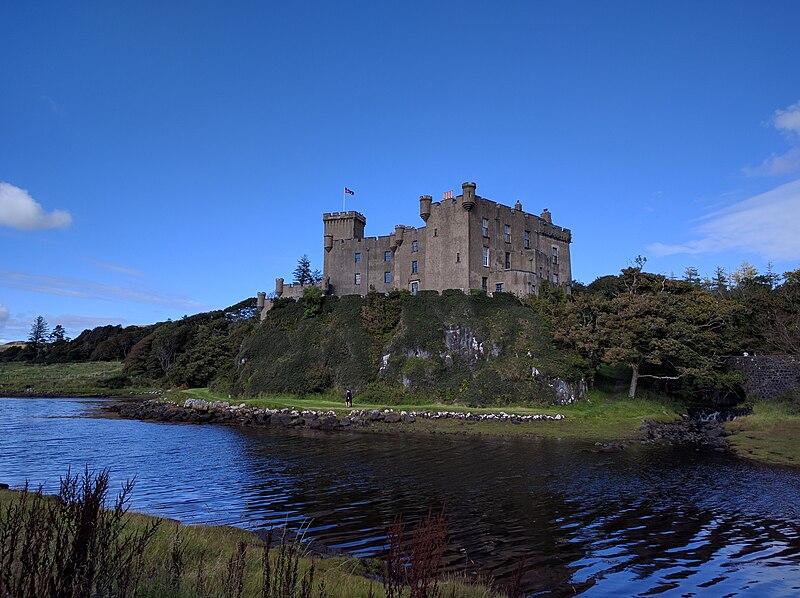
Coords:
339,227
344,225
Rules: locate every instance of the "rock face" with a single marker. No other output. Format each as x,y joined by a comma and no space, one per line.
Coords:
461,341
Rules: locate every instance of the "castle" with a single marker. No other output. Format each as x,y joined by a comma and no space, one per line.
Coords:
467,242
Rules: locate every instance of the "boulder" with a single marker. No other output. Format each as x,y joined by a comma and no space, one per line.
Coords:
392,418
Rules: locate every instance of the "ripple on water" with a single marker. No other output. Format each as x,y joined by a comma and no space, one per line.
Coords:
651,520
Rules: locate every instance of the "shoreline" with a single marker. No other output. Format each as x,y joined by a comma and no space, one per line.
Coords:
709,434
751,438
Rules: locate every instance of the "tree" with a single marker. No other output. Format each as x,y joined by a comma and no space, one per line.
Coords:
691,276
39,333
59,335
303,273
660,328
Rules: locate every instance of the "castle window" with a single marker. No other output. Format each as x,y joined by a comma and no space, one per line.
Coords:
499,287
527,239
358,257
414,268
387,256
458,257
555,256
387,277
485,283
555,278
486,256
507,233
508,261
358,278
485,227
414,246
435,232
414,287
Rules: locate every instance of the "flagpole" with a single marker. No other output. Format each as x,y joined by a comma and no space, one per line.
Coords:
344,195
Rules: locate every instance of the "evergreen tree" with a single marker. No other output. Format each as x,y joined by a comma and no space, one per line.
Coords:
59,335
39,333
303,273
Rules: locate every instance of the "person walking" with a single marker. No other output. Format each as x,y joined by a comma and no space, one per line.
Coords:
348,398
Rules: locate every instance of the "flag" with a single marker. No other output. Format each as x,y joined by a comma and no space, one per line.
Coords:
349,192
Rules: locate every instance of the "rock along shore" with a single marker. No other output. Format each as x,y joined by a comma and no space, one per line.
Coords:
200,411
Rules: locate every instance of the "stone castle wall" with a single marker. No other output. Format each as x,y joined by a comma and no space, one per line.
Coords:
768,376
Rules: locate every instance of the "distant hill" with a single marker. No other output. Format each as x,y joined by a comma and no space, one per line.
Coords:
12,345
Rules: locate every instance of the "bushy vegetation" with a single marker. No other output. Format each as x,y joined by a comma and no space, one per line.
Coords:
396,345
677,334
195,351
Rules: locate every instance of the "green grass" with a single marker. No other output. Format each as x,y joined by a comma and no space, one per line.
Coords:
603,416
207,550
770,435
63,379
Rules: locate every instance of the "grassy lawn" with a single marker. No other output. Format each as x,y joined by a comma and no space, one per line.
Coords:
206,552
603,416
87,379
771,435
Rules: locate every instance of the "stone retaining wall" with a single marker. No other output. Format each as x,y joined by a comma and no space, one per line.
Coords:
768,376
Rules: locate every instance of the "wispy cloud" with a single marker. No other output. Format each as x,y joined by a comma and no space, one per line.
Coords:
766,224
88,289
118,268
19,210
4,313
787,122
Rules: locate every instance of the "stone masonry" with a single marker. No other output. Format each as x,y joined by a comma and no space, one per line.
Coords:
467,242
768,376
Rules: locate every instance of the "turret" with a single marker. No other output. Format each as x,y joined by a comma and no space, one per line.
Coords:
425,207
518,206
260,301
278,287
468,195
328,242
399,232
546,216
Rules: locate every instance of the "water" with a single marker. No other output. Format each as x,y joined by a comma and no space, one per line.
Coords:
649,520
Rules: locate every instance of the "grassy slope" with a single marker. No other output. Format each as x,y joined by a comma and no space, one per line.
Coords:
214,545
771,435
603,417
62,379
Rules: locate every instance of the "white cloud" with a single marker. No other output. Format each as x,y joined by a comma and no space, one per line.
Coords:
766,224
19,210
117,268
777,164
4,313
786,121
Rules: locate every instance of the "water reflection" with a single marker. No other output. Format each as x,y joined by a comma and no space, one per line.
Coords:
648,520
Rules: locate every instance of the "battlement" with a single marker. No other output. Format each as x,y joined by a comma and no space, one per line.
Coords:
344,215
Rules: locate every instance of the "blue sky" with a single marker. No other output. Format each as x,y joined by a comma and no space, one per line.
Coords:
159,159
